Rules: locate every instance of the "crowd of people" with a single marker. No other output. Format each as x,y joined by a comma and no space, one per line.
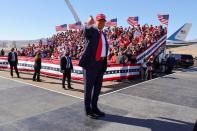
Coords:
124,46
124,43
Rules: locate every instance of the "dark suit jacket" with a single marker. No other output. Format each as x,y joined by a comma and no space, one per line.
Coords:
171,61
10,58
63,63
91,35
37,64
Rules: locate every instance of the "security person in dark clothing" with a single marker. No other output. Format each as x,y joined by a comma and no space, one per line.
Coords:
37,67
170,63
2,53
13,61
66,68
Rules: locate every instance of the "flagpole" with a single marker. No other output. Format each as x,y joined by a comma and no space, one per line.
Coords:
74,13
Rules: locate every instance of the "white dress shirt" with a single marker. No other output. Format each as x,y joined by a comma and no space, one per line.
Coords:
103,52
13,57
67,62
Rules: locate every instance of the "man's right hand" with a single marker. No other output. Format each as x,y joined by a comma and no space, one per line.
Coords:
90,21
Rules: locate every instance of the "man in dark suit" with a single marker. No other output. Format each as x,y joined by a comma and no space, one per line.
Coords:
37,67
170,63
66,68
94,63
2,53
13,61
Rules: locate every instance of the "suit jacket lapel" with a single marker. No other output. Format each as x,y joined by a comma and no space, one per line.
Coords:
106,44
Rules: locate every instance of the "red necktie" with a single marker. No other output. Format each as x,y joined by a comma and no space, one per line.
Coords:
99,48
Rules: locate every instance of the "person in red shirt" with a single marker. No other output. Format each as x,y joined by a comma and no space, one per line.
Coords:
114,57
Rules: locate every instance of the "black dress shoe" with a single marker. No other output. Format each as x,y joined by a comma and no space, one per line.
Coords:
99,113
64,87
92,115
39,81
70,87
33,80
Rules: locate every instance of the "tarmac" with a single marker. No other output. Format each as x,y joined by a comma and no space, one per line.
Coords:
167,103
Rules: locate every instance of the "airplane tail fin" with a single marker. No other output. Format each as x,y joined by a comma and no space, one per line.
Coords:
181,33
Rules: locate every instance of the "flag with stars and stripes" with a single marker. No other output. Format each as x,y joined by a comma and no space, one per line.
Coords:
133,21
163,18
112,22
61,27
75,26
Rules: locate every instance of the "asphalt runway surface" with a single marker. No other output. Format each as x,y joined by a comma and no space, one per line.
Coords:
167,103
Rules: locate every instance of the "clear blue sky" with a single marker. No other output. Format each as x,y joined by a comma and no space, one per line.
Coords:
33,19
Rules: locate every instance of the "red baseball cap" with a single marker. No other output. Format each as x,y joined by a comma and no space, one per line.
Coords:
100,17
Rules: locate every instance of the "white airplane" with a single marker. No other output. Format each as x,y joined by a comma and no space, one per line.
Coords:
178,38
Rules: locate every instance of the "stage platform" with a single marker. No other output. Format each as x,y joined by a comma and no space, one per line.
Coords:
167,103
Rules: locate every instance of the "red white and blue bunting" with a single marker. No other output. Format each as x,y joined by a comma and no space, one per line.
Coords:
51,68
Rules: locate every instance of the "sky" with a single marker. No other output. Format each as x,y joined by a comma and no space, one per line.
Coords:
35,19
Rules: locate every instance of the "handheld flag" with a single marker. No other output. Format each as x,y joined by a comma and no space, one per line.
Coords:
133,21
75,26
112,22
163,18
61,27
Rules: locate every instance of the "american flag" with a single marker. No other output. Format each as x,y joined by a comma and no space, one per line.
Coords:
61,27
133,21
112,22
163,18
75,26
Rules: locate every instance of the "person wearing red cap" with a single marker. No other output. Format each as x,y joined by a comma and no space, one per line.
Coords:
94,63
